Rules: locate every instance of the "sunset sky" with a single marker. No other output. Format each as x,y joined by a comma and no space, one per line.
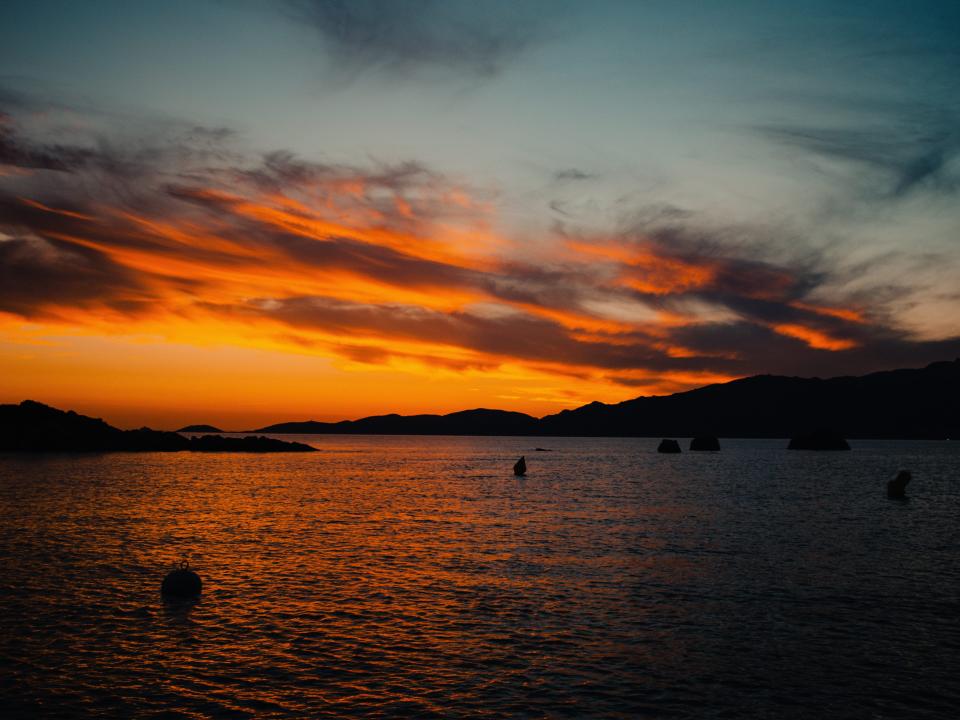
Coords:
249,212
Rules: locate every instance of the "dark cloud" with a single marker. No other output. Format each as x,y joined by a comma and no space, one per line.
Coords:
475,38
116,154
340,253
511,336
572,174
40,276
16,152
79,217
376,262
377,187
634,382
280,169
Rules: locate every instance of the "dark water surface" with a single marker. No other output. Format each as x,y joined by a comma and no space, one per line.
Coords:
415,576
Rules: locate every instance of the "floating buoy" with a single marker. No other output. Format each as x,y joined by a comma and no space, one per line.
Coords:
897,487
520,467
181,583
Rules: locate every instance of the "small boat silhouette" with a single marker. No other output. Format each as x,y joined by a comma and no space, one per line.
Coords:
520,467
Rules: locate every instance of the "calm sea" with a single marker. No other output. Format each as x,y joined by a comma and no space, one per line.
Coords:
416,576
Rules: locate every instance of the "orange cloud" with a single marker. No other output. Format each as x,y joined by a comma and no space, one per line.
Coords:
396,276
814,338
850,315
649,271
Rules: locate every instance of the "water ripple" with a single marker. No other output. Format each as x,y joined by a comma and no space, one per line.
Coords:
395,577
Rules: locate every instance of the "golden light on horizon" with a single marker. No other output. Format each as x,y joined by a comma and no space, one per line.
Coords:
340,296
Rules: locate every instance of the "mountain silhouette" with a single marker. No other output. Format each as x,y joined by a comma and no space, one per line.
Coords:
914,403
35,427
892,404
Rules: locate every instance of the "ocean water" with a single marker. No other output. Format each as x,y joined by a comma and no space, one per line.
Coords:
416,576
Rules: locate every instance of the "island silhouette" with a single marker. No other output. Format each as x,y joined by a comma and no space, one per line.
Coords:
199,429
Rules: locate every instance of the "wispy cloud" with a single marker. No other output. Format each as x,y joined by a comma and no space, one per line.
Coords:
572,174
401,35
897,153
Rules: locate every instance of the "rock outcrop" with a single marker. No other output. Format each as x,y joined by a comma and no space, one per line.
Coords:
35,427
705,443
668,446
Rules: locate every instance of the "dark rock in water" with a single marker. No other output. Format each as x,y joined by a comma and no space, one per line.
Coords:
705,442
182,583
818,440
668,446
542,450
897,487
520,467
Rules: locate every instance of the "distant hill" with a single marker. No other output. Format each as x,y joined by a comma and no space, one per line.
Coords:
465,422
199,429
921,403
35,427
